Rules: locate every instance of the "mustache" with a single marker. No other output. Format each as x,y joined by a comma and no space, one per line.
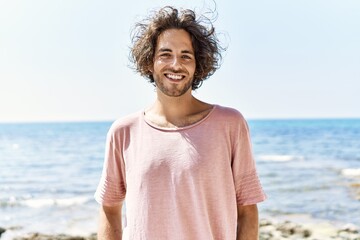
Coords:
176,71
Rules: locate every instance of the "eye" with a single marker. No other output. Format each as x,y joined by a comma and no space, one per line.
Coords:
164,55
186,57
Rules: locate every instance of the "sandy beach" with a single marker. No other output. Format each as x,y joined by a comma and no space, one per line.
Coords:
270,229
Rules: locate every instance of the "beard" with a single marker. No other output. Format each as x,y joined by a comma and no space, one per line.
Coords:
172,89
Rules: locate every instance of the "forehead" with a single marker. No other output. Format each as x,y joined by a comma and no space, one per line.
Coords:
175,39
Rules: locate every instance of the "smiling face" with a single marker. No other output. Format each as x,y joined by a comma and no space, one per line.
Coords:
174,63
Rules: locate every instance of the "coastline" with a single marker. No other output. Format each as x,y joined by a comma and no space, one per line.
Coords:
309,170
305,227
291,227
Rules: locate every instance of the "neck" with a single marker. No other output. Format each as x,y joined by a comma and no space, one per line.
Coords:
174,107
177,111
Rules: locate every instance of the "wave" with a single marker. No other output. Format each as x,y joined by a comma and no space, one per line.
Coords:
45,202
351,172
279,158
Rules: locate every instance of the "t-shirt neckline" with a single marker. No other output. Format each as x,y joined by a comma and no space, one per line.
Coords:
176,129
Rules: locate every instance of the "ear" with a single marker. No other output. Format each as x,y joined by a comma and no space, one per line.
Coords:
150,69
150,73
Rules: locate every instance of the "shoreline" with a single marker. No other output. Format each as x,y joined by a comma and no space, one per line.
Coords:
305,227
281,228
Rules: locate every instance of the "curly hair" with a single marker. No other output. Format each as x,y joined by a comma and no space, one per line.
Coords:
206,45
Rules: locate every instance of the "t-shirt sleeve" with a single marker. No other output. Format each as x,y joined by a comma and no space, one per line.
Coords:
112,186
247,184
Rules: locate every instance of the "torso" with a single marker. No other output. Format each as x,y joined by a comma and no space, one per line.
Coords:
186,181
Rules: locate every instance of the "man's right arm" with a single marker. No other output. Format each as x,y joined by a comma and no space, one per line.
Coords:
110,227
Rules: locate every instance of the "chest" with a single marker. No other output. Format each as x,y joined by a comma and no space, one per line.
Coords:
177,156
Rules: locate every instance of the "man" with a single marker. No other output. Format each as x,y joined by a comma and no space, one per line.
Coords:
185,167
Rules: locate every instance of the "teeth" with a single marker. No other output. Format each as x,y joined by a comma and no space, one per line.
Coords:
175,77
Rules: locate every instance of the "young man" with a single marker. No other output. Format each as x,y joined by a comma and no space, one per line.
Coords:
185,167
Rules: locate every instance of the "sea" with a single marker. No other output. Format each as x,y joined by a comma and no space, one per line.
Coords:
49,172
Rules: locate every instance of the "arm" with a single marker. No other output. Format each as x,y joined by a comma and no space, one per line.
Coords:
110,227
248,222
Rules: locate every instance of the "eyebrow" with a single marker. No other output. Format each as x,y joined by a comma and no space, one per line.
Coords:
169,50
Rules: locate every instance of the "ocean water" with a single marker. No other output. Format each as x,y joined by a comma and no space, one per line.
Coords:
48,175
49,172
310,167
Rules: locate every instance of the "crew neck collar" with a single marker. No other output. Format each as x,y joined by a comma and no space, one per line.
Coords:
175,129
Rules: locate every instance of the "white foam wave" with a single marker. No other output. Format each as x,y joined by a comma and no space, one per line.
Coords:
279,158
351,172
46,202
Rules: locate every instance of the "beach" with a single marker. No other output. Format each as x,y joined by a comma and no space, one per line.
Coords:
269,230
309,169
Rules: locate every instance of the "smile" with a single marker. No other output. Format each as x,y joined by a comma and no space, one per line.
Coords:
175,77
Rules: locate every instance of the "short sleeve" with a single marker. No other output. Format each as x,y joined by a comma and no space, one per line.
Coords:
112,186
247,184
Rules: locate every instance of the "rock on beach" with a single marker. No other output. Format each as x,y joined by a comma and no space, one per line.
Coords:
39,236
269,230
2,230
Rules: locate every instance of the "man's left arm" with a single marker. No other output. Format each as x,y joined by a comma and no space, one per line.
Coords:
248,222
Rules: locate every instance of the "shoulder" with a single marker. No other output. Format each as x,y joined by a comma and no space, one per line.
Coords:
231,119
229,114
234,122
125,123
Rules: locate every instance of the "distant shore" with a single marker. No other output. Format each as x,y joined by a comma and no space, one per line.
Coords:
269,230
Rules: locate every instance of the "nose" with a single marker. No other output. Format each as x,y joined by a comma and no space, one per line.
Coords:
176,64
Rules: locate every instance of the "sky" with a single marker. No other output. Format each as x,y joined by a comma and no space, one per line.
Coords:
67,60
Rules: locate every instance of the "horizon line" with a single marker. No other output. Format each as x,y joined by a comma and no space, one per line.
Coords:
38,121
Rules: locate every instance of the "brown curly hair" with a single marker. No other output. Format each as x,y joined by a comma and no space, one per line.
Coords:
204,40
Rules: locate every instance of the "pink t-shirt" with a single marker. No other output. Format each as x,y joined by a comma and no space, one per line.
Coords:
180,183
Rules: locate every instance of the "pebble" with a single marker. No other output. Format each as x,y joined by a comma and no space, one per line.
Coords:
269,230
39,236
289,230
2,230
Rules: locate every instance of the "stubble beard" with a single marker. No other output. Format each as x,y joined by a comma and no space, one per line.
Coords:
174,90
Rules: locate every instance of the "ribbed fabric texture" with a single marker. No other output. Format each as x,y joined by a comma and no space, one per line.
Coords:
249,190
181,183
111,192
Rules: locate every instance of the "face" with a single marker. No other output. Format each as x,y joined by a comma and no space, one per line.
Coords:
174,63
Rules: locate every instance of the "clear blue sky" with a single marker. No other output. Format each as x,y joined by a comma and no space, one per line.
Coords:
67,60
